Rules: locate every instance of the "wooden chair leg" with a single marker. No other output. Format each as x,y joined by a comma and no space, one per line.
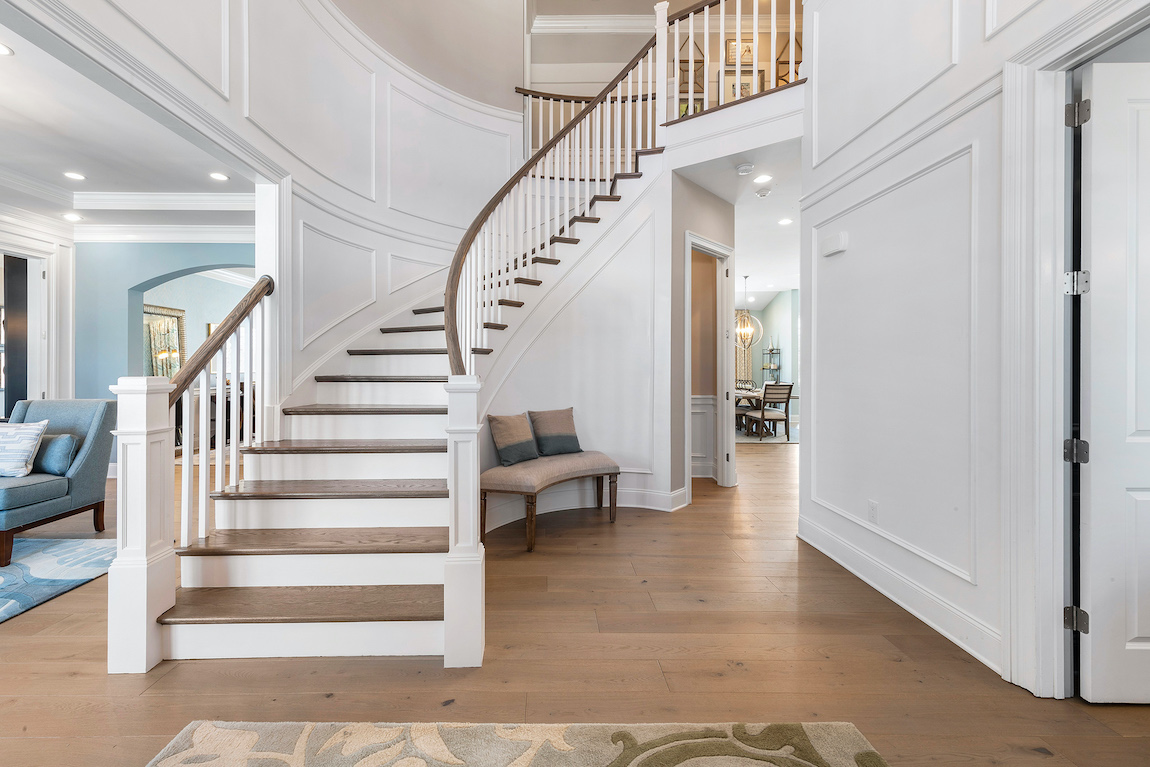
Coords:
6,537
787,423
530,522
98,517
483,518
614,495
599,492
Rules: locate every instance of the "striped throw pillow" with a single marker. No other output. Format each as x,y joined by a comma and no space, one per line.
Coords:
513,440
555,431
18,445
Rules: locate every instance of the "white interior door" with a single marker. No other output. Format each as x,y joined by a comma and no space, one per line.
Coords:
1115,654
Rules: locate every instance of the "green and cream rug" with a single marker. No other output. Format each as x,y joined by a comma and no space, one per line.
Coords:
310,744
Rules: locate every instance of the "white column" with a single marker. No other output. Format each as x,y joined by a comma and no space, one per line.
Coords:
666,110
463,577
142,579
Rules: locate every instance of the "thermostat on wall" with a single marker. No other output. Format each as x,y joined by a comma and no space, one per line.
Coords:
833,245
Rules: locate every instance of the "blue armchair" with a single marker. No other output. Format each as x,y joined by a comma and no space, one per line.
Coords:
38,499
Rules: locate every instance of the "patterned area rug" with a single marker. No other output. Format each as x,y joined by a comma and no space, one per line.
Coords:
299,744
43,568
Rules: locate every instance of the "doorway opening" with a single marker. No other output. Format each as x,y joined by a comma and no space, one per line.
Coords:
23,330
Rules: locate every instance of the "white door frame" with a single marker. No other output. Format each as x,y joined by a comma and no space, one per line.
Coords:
1034,227
724,438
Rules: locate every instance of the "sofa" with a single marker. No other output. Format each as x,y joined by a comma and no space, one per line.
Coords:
39,498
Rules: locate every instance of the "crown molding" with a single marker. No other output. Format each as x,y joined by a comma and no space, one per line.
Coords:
11,216
175,234
224,275
163,201
599,24
35,187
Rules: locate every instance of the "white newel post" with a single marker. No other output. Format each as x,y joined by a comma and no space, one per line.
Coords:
463,578
669,110
142,579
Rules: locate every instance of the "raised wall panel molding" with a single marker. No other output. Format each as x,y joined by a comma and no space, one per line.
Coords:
363,222
193,42
333,287
1002,13
37,188
310,94
467,159
968,573
858,108
404,271
162,201
133,233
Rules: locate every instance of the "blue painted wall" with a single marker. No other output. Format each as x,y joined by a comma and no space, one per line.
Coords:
203,300
111,279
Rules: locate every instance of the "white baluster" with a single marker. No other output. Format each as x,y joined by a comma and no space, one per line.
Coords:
221,419
619,129
738,50
691,64
754,46
774,44
791,73
652,113
723,51
187,467
663,109
249,391
205,475
706,58
234,412
678,56
630,123
258,399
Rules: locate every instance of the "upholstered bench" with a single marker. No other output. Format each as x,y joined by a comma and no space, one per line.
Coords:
531,477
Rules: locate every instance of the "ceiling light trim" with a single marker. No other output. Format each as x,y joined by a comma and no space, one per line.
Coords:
167,234
163,201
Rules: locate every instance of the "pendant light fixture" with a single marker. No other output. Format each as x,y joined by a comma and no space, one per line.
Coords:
748,329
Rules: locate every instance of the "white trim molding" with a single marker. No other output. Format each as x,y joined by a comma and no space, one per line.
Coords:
131,233
41,190
163,201
230,277
594,24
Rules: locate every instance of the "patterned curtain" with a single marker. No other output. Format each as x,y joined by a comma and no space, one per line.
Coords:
164,334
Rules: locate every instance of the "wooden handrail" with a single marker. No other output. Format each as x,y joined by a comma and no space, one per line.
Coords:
451,292
186,376
553,96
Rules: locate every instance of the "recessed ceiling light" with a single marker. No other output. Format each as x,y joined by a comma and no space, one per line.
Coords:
750,299
6,51
762,179
785,221
75,176
73,217
219,176
762,193
745,169
770,286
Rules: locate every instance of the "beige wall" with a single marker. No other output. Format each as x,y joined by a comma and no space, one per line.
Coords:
697,210
704,319
475,49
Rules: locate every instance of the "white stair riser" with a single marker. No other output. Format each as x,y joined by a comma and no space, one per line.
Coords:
428,339
346,466
298,640
362,393
398,364
367,426
311,570
285,514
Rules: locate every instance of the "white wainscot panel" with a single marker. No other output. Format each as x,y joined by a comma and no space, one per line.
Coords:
439,167
911,48
406,269
1138,569
1000,13
901,296
195,32
311,95
703,408
337,278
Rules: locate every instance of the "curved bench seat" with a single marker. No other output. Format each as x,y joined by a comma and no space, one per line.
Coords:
529,478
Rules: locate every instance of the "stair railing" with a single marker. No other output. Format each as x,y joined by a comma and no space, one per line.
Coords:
142,578
525,218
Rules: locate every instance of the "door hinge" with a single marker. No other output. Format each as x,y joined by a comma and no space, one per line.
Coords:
43,275
1076,451
1076,283
728,396
728,457
728,272
1078,113
1076,619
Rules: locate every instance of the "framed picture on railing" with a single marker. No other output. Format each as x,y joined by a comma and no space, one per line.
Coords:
683,107
745,86
744,49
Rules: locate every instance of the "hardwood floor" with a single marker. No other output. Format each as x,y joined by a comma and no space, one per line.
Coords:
713,613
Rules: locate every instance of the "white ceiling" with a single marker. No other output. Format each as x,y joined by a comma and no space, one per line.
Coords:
765,250
53,120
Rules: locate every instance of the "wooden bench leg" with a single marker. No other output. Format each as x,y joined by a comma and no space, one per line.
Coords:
614,495
6,537
483,518
98,517
599,492
530,522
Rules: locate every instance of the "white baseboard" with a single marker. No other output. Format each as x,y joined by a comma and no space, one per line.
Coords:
113,471
950,620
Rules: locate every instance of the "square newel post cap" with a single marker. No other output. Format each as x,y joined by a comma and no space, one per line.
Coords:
142,385
143,403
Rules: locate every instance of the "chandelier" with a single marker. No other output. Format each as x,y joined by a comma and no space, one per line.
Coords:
748,330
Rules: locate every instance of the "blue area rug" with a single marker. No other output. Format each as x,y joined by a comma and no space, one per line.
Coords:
43,568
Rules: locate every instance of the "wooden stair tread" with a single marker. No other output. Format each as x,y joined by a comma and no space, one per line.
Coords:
652,150
344,540
495,326
319,409
318,446
306,604
585,220
635,174
351,378
510,302
480,350
565,240
527,281
333,488
395,352
544,260
606,198
412,329
428,310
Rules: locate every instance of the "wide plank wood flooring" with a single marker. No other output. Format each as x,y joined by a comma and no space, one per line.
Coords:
713,613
